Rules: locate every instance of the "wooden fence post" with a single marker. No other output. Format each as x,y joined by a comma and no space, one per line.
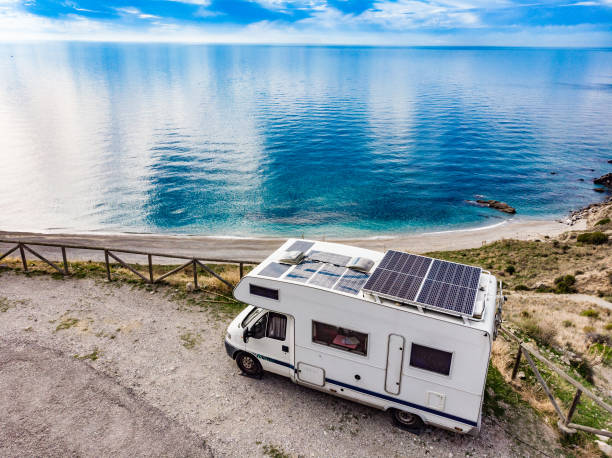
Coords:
241,270
516,363
65,259
150,257
23,257
572,408
195,275
108,272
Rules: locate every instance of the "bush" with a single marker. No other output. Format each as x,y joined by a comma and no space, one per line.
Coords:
588,329
567,324
602,221
583,367
593,238
510,269
565,284
521,288
590,313
608,327
544,335
542,288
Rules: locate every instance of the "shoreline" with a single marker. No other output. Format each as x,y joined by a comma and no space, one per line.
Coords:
257,248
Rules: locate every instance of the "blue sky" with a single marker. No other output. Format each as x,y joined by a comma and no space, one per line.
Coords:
369,22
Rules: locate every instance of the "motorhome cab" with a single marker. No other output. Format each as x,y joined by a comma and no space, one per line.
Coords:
396,331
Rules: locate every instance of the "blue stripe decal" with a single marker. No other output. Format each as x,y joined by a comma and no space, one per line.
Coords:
399,401
382,396
275,361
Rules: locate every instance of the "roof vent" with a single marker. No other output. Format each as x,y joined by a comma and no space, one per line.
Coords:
291,257
360,264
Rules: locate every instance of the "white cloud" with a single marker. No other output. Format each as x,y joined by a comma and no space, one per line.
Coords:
203,3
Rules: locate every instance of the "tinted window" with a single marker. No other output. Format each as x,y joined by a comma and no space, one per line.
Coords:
340,338
430,359
263,291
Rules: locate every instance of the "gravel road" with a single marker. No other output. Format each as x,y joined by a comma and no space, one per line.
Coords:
94,368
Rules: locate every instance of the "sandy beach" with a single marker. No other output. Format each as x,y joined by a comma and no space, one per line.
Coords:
256,249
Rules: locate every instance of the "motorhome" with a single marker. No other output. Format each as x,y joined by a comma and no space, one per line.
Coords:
396,331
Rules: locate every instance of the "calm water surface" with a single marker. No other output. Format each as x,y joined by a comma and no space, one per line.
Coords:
248,140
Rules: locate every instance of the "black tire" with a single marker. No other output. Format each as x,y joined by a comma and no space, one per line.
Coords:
407,421
249,365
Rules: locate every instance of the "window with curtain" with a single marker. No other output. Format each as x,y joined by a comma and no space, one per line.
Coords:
277,326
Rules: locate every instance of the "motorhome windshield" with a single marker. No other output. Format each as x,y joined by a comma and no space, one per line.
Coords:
250,316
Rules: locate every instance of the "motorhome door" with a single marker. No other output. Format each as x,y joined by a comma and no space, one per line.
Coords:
274,347
395,357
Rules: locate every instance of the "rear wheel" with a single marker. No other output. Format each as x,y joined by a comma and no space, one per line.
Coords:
249,365
408,421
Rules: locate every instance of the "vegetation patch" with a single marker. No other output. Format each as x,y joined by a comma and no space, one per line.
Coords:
91,356
274,451
189,340
593,238
602,222
565,284
66,323
4,304
590,313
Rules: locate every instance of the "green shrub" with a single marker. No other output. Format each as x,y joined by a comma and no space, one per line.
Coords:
525,314
588,329
602,221
544,335
590,313
608,326
604,351
565,284
583,367
510,269
593,238
521,288
567,324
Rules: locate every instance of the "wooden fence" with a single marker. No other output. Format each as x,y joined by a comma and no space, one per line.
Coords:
63,268
565,420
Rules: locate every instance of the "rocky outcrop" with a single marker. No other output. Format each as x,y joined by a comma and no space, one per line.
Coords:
605,180
497,205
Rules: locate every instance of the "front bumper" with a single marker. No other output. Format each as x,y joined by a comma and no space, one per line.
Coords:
230,349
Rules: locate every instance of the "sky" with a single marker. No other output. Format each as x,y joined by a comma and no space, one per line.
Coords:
557,23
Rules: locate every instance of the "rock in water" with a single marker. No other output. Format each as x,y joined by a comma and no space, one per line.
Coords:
606,180
497,205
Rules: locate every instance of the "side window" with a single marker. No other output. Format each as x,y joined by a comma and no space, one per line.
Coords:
277,326
258,330
340,338
430,359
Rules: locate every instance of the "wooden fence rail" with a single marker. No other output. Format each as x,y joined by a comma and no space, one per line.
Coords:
194,261
565,423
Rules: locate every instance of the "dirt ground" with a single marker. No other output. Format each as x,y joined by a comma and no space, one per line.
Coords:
92,368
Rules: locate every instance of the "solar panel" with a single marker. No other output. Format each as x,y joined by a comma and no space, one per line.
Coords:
301,245
327,276
274,270
442,285
302,272
351,282
330,258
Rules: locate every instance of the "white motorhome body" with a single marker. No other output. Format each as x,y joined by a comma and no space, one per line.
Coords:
329,319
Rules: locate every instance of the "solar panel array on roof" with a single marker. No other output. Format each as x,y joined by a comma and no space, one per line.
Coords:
300,245
442,285
327,276
274,270
302,272
330,258
351,282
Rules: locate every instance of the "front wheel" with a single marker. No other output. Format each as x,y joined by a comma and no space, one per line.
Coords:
249,365
408,421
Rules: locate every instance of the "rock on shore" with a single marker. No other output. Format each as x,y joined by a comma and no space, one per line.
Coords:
605,180
497,205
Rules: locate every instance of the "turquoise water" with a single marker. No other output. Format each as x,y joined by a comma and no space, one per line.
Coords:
261,140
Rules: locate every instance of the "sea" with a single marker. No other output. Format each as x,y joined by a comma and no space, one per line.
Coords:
313,141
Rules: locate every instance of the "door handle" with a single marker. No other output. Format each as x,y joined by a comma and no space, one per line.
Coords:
285,348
